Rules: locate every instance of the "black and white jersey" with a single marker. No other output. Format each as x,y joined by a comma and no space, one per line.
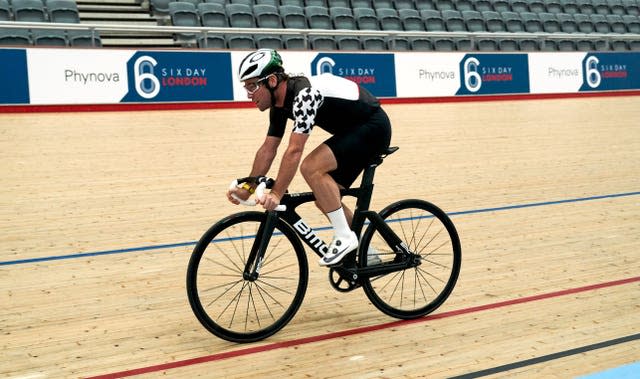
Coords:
333,103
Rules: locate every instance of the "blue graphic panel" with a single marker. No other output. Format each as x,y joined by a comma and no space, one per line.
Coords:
375,72
179,76
485,74
610,71
14,77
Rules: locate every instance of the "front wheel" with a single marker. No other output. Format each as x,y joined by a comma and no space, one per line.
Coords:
235,306
428,233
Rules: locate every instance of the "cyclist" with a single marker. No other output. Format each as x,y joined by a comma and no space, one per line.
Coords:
359,127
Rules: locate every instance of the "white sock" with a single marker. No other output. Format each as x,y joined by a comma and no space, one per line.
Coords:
339,222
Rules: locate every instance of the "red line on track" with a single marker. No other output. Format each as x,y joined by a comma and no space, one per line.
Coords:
362,330
126,107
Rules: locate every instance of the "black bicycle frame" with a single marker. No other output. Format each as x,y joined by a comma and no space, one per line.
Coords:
307,234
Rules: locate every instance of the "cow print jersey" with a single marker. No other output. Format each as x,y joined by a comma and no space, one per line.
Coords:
331,102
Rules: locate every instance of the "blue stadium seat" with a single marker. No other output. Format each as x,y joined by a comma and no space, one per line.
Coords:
212,42
433,20
453,20
423,5
494,22
420,44
322,43
269,41
318,18
212,15
411,20
29,11
528,45
550,23
519,6
348,43
240,41
513,23
370,43
632,7
567,23
338,3
267,16
584,23
366,19
473,21
49,37
616,23
570,6
508,44
15,37
536,6
532,23
342,18
240,16
63,11
293,17
632,23
501,6
84,38
5,11
294,42
389,19
403,4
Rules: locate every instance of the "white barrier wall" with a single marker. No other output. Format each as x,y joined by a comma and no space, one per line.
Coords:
108,76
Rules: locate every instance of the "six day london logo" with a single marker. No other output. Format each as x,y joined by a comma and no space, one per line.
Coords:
368,70
167,76
610,71
482,74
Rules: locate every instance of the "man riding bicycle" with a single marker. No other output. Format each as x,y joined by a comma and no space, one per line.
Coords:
359,127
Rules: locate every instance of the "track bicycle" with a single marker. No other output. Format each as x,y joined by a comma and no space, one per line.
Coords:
248,274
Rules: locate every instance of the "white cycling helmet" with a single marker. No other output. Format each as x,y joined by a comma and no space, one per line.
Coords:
259,64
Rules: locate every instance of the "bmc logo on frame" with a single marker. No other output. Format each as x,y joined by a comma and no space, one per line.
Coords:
171,76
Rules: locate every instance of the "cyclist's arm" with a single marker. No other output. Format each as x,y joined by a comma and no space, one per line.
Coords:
290,162
265,156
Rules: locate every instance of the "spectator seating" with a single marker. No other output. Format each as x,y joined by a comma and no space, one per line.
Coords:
84,38
49,37
63,11
29,11
342,18
240,15
474,16
15,37
212,15
5,11
267,16
293,17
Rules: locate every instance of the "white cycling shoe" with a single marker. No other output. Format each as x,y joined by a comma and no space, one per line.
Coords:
338,248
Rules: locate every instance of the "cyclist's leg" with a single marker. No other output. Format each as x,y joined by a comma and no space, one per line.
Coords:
315,169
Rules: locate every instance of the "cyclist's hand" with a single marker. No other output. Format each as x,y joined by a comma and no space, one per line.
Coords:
269,201
240,193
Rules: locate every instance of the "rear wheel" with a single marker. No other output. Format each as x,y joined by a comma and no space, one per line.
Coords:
427,232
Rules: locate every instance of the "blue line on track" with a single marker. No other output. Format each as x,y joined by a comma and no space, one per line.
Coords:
182,244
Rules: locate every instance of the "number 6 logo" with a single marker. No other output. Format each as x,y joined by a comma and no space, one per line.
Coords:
591,70
147,85
472,80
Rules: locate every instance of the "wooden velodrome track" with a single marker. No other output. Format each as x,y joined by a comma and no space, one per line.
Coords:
100,211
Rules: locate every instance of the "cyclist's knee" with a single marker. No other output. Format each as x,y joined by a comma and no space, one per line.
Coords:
308,169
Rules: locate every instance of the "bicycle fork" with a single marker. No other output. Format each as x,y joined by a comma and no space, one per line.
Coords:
259,247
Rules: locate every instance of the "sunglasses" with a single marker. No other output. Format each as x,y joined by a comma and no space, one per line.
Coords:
251,88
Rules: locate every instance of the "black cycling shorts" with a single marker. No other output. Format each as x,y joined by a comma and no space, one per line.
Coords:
355,149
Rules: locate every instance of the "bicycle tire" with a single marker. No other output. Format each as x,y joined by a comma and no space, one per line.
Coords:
232,307
417,291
